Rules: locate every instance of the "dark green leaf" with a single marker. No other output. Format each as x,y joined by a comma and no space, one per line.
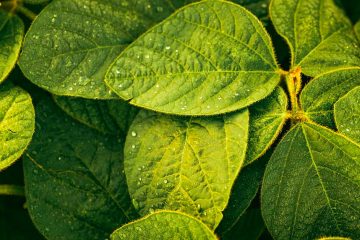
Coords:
110,116
74,180
311,186
347,114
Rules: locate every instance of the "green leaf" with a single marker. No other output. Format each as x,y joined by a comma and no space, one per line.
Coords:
169,69
357,30
109,117
164,225
334,238
320,95
250,226
347,114
243,192
186,164
319,34
11,37
74,181
17,123
267,119
71,59
311,186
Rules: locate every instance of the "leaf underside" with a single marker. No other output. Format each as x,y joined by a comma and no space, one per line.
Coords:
74,180
347,114
319,96
320,36
186,164
311,185
17,123
72,59
11,36
164,225
170,70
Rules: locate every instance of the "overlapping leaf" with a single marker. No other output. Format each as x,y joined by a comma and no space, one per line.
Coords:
210,57
267,118
347,114
319,34
110,116
71,44
164,225
320,95
186,164
17,123
11,37
243,192
74,180
311,185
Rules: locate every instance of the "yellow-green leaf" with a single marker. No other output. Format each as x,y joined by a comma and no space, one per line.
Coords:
320,36
164,225
17,123
186,164
208,58
11,37
319,96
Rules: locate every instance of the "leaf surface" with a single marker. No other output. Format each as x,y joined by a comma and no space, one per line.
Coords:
107,116
311,185
17,123
74,181
319,96
170,70
267,119
71,59
185,164
11,37
347,114
243,192
319,34
164,225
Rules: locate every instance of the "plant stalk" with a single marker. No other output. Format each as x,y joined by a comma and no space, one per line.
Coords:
12,190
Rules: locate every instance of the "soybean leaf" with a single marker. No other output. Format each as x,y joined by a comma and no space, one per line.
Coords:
164,225
267,119
250,226
311,185
76,190
243,192
347,114
170,70
11,37
35,1
320,95
186,164
71,59
17,123
357,30
110,116
334,238
319,34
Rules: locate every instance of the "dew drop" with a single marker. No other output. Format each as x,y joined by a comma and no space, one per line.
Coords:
134,134
165,181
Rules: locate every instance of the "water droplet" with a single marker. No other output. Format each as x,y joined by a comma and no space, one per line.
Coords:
133,134
165,181
167,47
133,146
159,9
